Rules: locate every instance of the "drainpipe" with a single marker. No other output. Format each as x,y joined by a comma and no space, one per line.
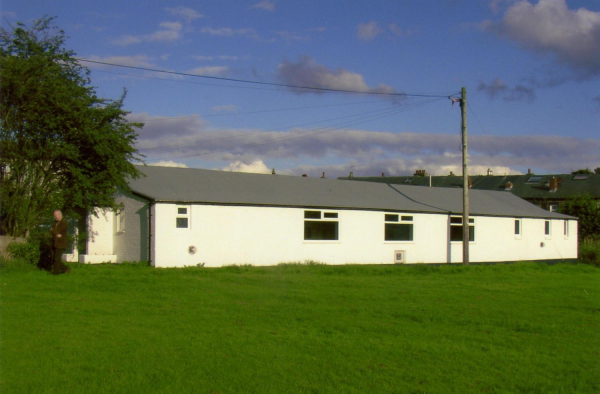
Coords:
149,233
429,180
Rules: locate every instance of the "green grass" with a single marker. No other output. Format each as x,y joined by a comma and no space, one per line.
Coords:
530,328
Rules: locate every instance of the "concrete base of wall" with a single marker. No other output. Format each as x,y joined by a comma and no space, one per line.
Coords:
97,258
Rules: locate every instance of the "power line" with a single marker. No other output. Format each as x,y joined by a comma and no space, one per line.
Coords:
259,82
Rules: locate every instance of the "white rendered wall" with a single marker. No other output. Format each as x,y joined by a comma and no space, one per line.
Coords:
130,240
223,235
99,247
495,240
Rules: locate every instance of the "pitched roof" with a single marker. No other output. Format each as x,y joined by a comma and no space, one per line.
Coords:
525,186
190,185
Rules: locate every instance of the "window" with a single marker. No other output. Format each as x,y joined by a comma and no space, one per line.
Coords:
182,220
319,227
456,229
566,228
517,226
547,227
553,207
398,228
120,220
534,179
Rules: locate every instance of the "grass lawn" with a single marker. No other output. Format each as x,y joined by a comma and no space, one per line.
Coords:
529,327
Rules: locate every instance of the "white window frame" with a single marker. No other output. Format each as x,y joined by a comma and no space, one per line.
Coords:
548,229
187,215
553,207
472,223
402,219
520,234
322,218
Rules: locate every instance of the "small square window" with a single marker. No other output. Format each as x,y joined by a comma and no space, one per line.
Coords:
407,218
312,214
182,223
182,211
391,218
456,220
330,215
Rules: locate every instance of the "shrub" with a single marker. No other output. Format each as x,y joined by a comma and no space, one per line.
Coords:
589,251
26,251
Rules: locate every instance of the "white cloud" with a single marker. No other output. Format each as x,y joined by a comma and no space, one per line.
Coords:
185,138
171,31
306,72
266,5
572,36
256,166
127,40
134,61
229,32
368,31
213,71
188,14
168,163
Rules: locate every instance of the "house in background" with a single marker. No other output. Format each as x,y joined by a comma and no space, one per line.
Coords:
176,217
545,191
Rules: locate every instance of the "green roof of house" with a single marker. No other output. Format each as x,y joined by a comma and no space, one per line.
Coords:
528,186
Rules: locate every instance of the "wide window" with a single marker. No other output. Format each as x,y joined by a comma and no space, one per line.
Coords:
321,226
398,228
456,229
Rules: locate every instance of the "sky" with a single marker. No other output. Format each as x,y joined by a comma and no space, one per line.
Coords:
531,70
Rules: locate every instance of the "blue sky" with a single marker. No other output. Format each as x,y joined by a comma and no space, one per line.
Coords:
531,69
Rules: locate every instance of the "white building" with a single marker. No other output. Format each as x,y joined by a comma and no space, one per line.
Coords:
177,217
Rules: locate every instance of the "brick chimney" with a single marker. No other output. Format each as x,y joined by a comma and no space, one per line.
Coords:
470,180
490,172
529,171
553,185
304,176
383,174
420,173
323,177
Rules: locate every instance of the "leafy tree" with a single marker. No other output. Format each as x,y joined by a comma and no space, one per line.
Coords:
587,210
61,146
584,171
597,170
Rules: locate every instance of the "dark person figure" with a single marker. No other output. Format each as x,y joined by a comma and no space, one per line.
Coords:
59,243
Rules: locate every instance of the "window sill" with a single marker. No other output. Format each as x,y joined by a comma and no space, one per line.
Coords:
321,242
399,242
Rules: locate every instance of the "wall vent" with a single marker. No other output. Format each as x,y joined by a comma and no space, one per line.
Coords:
399,256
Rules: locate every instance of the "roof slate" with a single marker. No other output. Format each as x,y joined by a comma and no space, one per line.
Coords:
190,185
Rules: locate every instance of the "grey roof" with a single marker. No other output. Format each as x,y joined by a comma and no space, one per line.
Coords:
530,186
190,185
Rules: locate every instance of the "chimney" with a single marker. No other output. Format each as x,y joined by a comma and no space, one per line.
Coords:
383,174
553,185
470,180
420,173
451,173
529,171
304,176
273,172
351,175
323,177
490,172
508,186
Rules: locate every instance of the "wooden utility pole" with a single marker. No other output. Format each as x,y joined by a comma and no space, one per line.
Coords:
465,218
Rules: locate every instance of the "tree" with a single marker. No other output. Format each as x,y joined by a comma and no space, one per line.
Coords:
597,170
587,210
582,171
61,146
